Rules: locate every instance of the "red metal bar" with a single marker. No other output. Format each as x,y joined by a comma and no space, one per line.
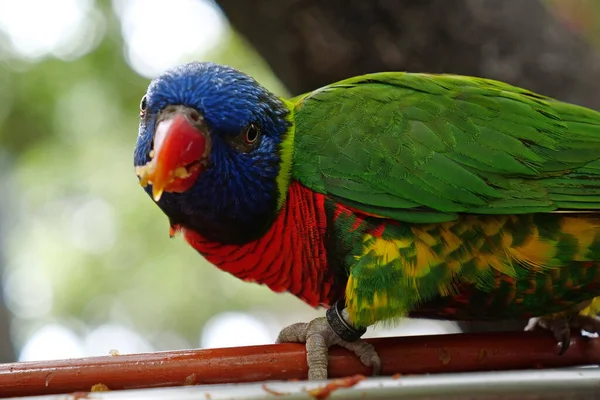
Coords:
404,355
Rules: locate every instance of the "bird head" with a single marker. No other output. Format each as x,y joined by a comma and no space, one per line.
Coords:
210,150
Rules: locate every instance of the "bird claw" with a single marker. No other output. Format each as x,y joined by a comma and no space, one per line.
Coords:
561,327
318,337
558,326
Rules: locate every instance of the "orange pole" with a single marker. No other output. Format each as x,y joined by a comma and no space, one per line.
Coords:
402,355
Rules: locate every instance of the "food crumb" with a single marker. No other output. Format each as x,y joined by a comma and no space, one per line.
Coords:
100,387
191,379
49,377
145,172
323,393
113,352
444,356
273,392
396,376
482,355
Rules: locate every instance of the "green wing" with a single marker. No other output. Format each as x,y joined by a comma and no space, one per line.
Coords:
422,147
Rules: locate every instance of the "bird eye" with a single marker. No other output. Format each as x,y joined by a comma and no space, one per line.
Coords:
252,134
143,106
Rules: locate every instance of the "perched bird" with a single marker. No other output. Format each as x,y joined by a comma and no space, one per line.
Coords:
382,196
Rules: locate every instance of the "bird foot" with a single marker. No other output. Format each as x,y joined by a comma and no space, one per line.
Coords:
319,335
561,327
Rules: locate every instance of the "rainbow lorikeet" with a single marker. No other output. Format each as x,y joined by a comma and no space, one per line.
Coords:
382,196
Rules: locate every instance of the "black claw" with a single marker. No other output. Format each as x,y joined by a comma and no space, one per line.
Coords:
564,346
565,341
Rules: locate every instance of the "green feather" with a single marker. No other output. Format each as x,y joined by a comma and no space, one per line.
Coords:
423,147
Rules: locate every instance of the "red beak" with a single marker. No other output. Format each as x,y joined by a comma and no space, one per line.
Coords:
178,156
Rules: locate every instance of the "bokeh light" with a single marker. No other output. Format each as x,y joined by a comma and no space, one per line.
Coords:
159,35
66,29
52,342
232,329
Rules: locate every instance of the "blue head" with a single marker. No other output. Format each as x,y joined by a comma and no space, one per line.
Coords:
211,140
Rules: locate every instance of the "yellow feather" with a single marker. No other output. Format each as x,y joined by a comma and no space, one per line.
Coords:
493,255
451,241
593,309
454,267
287,150
425,260
351,300
423,236
493,226
380,300
503,266
534,253
447,289
584,230
386,249
507,240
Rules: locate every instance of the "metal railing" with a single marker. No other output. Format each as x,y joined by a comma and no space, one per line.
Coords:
460,358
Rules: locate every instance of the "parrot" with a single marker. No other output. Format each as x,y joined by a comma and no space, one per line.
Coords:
383,196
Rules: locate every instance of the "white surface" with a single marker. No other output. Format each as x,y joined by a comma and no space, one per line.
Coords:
576,383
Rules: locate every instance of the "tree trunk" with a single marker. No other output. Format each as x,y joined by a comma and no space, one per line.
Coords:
310,43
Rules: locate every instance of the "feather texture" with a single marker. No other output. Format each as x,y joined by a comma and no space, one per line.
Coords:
423,148
456,180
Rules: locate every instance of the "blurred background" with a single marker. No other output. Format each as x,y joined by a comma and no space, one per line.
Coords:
85,259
